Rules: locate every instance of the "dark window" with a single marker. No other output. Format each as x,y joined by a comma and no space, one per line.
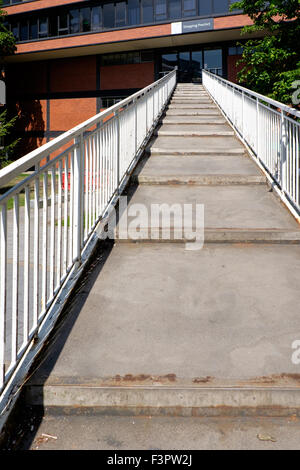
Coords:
96,18
24,31
220,6
197,64
53,25
74,21
43,27
15,30
174,9
189,7
169,61
205,7
160,9
33,29
213,60
121,14
63,24
147,56
108,16
147,11
85,19
133,12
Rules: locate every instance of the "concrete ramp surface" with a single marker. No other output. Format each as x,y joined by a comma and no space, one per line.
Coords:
157,329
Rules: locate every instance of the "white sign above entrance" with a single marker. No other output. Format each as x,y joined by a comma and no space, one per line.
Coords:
192,26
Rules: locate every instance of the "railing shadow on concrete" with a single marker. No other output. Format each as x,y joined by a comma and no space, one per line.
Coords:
49,221
269,129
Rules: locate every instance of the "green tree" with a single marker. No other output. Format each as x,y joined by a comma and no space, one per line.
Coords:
271,64
7,40
7,47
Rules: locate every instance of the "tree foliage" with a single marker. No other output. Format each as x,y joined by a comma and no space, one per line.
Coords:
7,40
271,64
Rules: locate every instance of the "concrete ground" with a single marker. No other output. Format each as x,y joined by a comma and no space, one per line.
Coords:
62,432
227,312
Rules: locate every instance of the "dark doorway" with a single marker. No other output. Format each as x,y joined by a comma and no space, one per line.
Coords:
191,62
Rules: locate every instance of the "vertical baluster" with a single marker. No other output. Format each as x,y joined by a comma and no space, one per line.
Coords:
66,222
45,241
15,281
52,233
71,212
36,254
59,226
26,264
3,282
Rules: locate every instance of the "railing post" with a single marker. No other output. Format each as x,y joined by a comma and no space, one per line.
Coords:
3,273
257,128
135,127
78,218
118,149
283,152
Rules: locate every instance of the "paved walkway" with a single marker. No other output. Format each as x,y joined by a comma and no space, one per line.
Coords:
156,327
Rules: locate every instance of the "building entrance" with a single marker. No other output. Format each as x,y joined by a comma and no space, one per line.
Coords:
191,62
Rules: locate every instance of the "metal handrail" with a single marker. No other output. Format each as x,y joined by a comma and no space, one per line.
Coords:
49,220
270,131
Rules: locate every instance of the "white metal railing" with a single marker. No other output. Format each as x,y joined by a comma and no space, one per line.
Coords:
48,219
270,129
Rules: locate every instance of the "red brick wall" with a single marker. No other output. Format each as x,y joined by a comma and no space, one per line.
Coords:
67,113
78,74
38,4
126,76
232,68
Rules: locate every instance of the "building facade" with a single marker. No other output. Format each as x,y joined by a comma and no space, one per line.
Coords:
76,57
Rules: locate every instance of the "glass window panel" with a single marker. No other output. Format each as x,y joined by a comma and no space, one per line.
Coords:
108,15
85,19
53,25
147,11
189,7
169,61
121,14
213,60
63,21
221,6
174,9
23,31
160,9
205,7
43,27
74,21
133,12
15,30
33,29
96,18
197,64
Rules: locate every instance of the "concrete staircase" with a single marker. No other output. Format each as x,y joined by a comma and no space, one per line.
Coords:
156,329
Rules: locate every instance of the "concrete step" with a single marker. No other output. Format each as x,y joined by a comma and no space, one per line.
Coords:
177,111
198,166
174,120
226,207
193,130
199,180
199,333
195,106
191,101
172,145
